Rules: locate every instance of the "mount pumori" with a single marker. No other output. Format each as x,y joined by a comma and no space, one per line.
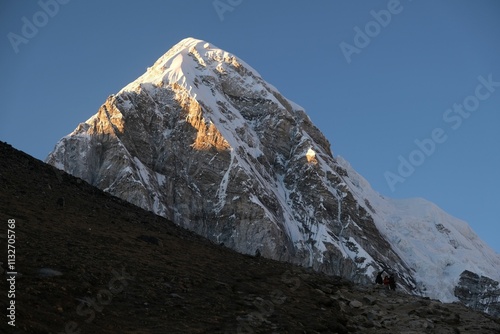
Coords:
203,140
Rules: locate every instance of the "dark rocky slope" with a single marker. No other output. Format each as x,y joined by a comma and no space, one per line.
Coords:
92,263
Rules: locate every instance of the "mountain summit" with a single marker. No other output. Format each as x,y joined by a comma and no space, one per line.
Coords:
203,140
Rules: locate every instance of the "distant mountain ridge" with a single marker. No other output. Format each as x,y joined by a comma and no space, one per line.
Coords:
203,140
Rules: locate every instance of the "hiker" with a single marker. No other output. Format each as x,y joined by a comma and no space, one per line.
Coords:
392,282
379,279
386,282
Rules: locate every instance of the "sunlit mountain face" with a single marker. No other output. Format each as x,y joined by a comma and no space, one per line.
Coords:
203,140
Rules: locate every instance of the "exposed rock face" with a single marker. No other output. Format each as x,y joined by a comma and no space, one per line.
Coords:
479,292
203,140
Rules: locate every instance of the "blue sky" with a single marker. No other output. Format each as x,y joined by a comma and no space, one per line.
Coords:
374,76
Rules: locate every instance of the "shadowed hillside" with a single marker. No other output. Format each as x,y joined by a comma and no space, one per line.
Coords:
91,263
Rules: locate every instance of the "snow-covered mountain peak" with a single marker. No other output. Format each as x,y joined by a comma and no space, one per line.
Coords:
189,61
202,139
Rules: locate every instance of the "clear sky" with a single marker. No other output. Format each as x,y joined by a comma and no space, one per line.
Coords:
407,91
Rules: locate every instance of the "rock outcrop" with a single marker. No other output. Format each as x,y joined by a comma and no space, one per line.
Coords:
479,292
